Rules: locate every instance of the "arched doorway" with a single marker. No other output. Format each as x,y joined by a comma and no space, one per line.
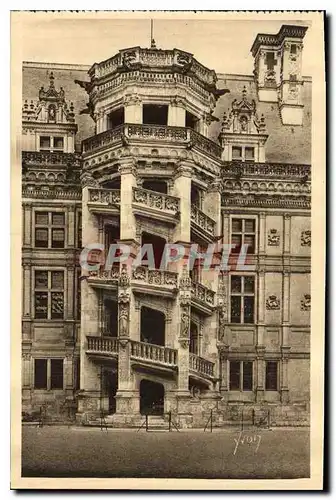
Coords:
152,328
151,398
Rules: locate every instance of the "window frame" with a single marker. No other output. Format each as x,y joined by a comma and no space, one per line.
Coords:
49,374
276,362
241,374
242,294
50,227
49,291
243,148
52,148
242,233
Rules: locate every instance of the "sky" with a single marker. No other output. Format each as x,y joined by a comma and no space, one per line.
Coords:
223,45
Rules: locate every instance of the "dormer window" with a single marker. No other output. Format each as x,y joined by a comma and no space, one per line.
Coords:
51,144
243,153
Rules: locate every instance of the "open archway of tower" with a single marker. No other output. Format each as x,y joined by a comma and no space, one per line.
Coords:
151,398
158,245
152,326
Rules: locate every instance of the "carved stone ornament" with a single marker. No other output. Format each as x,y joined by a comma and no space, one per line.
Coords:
123,343
123,320
306,302
124,280
273,238
221,325
273,303
185,322
195,392
184,343
87,180
306,238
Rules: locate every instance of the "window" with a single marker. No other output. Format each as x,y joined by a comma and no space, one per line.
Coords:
48,374
241,153
242,299
49,229
271,376
49,294
195,196
191,121
237,153
243,233
116,118
51,143
249,154
153,114
271,61
56,374
40,374
293,48
241,375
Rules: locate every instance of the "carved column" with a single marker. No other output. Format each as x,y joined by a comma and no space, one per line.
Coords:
182,189
286,234
127,398
27,225
133,108
260,348
128,181
285,347
224,367
89,370
71,227
262,233
26,373
177,112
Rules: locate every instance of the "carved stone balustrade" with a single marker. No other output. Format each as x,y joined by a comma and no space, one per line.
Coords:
101,345
201,366
158,205
154,281
202,297
104,278
104,200
266,170
154,353
201,222
156,134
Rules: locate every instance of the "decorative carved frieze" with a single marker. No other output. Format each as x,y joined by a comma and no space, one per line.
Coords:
272,303
306,302
109,196
154,276
306,238
273,238
155,200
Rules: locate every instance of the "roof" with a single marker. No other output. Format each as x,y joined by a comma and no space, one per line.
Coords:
285,144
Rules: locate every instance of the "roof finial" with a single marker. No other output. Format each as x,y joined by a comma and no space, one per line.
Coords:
153,44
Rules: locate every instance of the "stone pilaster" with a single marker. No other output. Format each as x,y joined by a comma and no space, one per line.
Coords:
27,225
177,112
223,372
182,189
133,108
127,218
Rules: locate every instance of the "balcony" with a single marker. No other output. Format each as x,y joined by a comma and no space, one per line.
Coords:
202,224
201,366
153,353
104,278
158,205
32,158
100,346
266,170
154,281
151,134
202,297
104,201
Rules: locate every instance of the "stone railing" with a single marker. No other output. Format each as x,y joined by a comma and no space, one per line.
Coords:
159,201
202,293
268,170
55,194
267,201
104,196
102,345
105,275
202,220
201,365
155,353
43,157
160,133
137,58
154,276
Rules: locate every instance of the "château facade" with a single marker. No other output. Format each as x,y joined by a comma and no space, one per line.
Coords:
147,148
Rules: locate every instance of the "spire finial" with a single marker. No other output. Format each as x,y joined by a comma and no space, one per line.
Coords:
244,92
153,44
